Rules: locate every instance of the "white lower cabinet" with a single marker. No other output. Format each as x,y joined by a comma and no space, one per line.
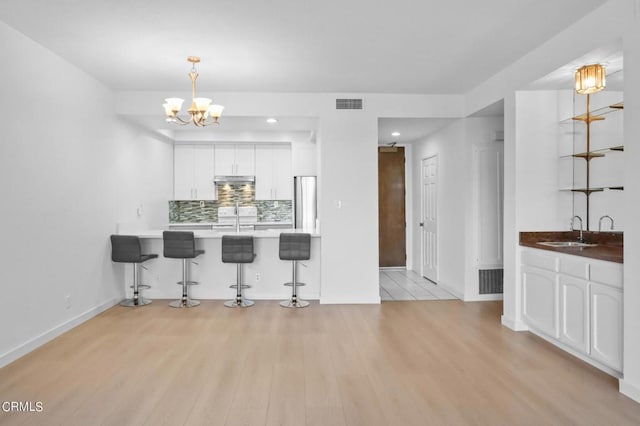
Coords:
540,307
574,313
575,301
606,325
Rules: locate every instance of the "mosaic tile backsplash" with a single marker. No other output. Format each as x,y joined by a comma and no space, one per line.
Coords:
207,211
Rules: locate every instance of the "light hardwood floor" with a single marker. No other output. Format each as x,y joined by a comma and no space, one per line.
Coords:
398,363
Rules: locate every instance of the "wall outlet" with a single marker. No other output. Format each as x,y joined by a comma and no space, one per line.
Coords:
67,301
257,277
276,204
201,203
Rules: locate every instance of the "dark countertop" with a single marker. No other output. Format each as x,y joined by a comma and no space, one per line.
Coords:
610,244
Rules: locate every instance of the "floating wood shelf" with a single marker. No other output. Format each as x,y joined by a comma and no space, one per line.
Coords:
596,153
588,119
588,155
589,191
597,114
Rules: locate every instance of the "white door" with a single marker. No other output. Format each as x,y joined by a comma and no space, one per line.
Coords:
606,325
225,160
183,172
203,166
574,313
539,300
429,222
245,160
282,173
264,172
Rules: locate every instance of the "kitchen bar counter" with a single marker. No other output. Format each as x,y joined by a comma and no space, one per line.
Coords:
214,224
208,234
610,246
266,274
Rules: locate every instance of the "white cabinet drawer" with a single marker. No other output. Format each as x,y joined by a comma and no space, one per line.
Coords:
574,267
540,260
606,273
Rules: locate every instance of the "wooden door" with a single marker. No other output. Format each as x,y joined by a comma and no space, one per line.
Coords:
391,207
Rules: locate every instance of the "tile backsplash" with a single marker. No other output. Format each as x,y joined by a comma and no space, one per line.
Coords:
181,211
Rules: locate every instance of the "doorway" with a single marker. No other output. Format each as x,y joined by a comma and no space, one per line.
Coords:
429,219
392,243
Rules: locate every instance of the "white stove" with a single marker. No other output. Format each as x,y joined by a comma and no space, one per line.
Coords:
247,216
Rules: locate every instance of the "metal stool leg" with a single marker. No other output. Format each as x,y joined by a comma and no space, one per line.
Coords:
294,302
184,302
239,301
137,300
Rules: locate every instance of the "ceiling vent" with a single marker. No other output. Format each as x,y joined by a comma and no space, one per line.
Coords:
348,103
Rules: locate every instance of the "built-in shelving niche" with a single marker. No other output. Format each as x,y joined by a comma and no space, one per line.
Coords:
582,175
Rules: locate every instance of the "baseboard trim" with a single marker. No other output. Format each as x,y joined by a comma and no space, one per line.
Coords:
484,298
47,336
513,324
630,390
346,301
576,354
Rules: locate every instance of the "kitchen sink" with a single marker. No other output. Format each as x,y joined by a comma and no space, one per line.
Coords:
566,244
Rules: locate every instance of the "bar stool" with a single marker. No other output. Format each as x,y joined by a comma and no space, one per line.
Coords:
295,247
238,249
181,245
126,249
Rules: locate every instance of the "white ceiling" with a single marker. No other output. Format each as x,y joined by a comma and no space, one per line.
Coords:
609,55
410,129
404,46
401,46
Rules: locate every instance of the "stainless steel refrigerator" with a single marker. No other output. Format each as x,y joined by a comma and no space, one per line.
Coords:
305,203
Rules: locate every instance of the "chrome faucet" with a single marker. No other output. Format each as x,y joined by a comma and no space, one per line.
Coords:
606,216
237,216
581,238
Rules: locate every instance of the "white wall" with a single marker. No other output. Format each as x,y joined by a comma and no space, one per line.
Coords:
349,206
457,248
630,385
62,183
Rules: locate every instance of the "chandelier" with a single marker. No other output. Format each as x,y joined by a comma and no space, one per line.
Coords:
590,79
200,109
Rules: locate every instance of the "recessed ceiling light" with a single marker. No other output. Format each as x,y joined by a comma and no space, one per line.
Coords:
272,120
395,134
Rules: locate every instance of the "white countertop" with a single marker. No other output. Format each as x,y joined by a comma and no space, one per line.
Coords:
204,233
187,224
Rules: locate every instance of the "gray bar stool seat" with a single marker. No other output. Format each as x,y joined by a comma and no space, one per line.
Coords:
238,249
126,249
295,247
181,245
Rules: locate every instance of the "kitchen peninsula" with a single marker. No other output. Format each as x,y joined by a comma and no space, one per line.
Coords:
266,274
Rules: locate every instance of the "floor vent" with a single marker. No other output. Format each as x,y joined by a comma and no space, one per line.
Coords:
491,281
348,103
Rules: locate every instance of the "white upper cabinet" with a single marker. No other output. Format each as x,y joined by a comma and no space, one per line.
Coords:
282,173
274,179
183,172
203,172
193,172
264,172
235,160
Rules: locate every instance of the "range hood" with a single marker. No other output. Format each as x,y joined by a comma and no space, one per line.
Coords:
234,179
